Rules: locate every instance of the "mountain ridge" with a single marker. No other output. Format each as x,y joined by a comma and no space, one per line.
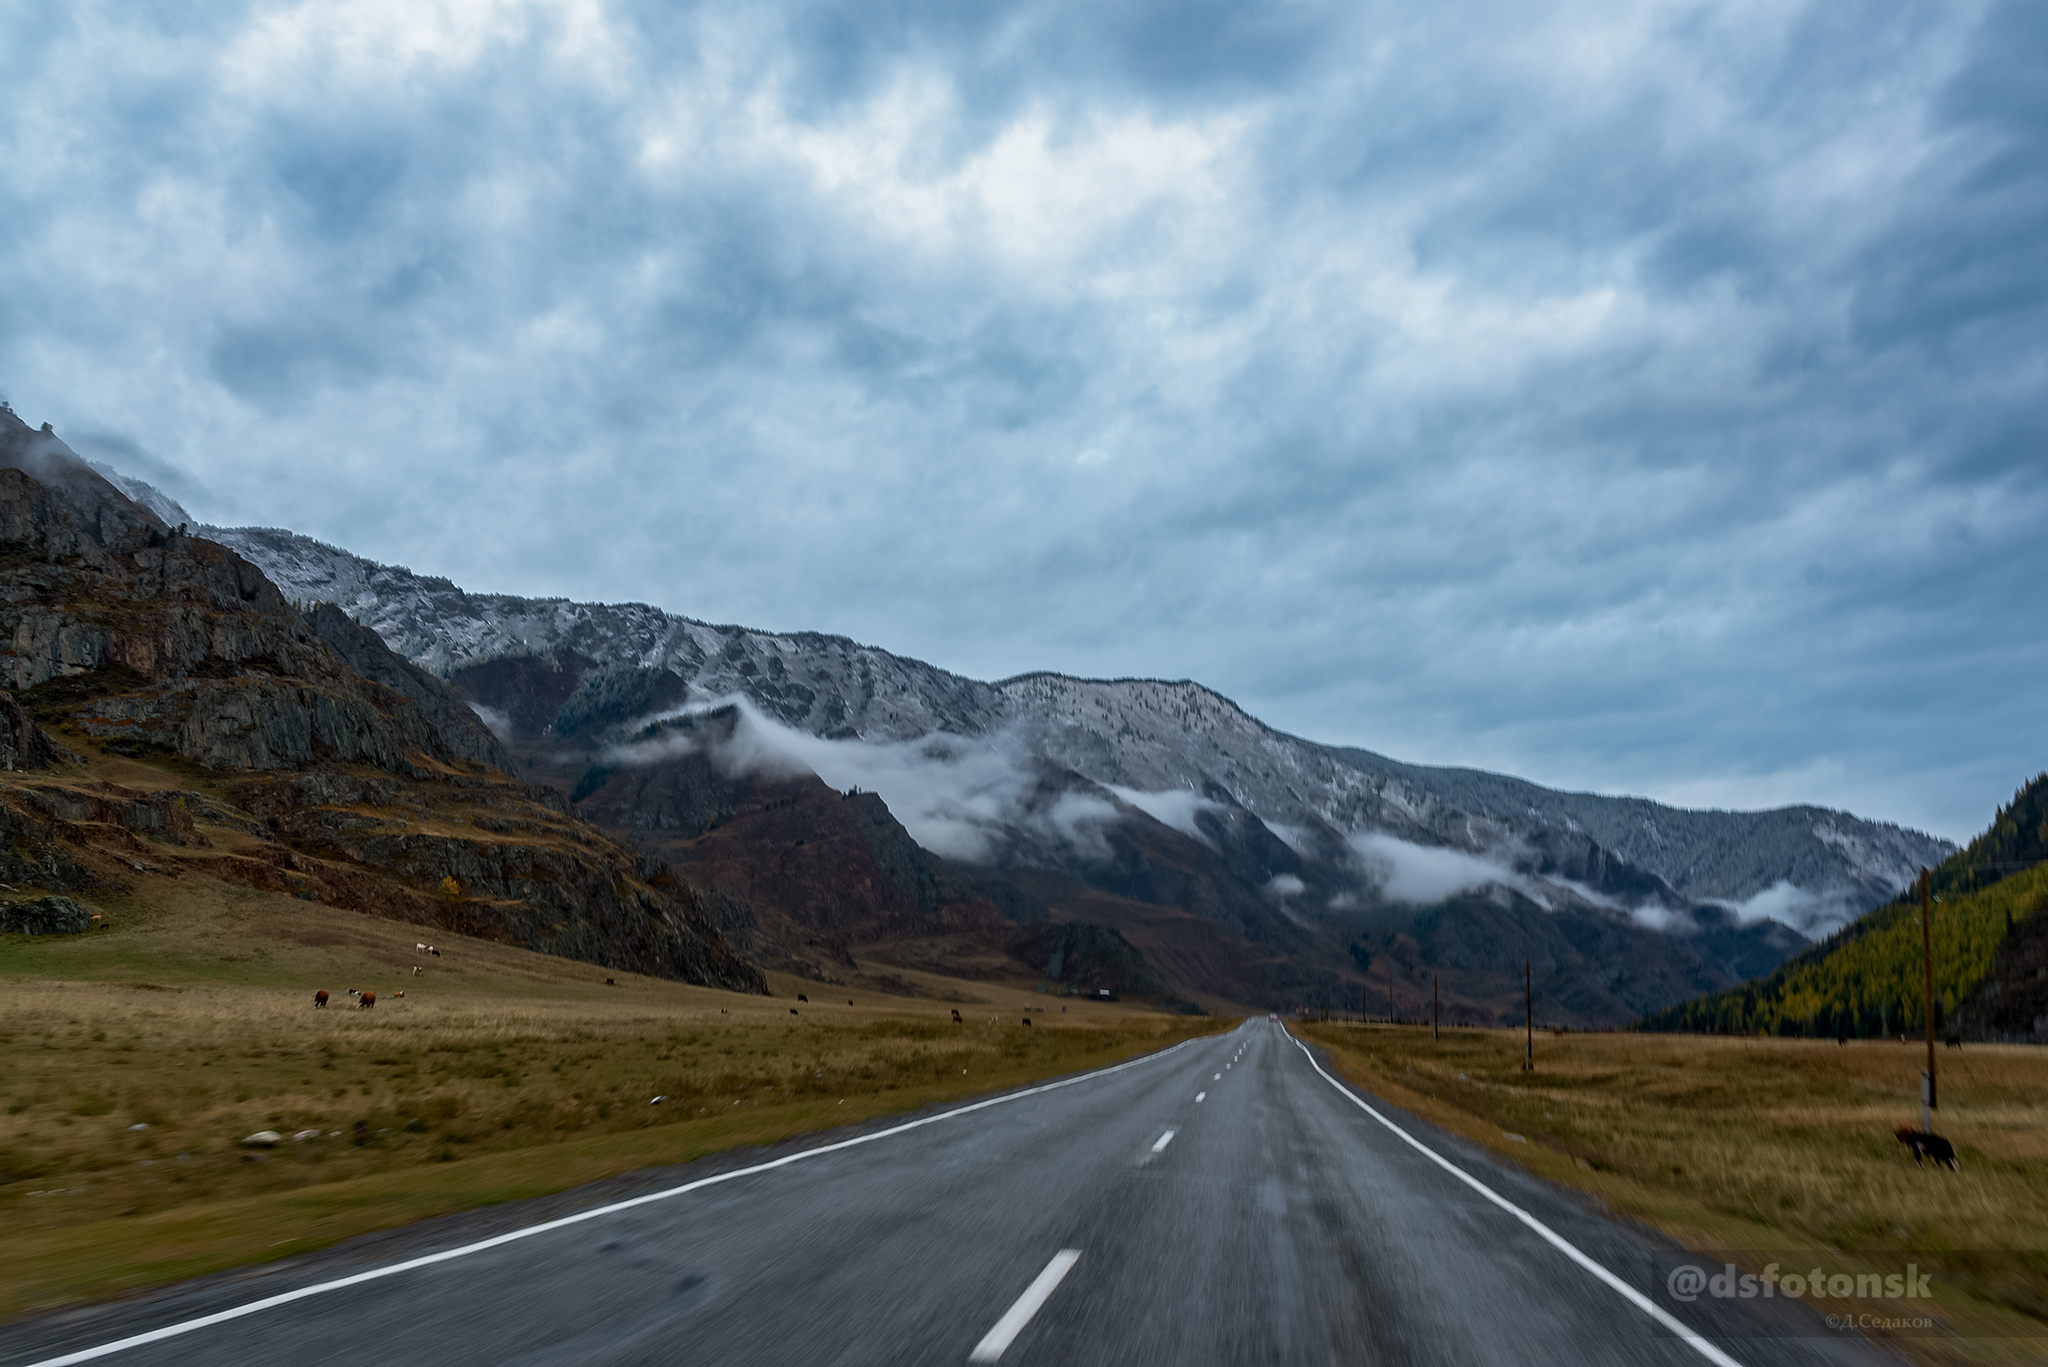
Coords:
1827,864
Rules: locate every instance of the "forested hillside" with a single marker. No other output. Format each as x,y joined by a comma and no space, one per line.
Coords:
1867,979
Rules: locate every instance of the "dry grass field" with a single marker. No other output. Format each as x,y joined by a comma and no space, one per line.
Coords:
1766,1145
138,1058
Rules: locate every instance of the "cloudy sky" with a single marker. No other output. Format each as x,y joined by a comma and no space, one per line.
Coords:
1647,401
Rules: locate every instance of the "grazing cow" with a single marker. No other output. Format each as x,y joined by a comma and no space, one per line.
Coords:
1955,1041
1027,1020
609,983
399,993
415,970
354,993
367,1000
320,997
849,1001
956,1016
433,951
801,997
792,1010
420,947
1924,1142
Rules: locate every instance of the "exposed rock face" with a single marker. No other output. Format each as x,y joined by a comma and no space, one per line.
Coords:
459,728
148,644
45,916
530,874
91,507
180,644
23,744
32,856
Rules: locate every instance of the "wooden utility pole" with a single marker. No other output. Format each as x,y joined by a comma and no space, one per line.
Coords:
1390,991
1435,1011
1927,1098
1363,1004
1529,1001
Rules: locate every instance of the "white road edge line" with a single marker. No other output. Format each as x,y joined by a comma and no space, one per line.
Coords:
1649,1307
170,1331
1164,1140
1017,1316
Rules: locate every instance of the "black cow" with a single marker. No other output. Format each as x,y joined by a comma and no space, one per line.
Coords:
1928,1144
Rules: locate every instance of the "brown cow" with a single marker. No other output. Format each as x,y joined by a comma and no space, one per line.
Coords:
366,1001
320,997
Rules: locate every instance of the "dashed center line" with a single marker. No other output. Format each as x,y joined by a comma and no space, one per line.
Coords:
1164,1140
1201,1096
1017,1316
1219,1077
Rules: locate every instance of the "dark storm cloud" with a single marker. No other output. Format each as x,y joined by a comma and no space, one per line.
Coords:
1645,400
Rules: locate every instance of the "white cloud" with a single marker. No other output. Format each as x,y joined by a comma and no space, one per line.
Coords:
1654,917
1175,807
496,722
1421,873
1812,914
957,796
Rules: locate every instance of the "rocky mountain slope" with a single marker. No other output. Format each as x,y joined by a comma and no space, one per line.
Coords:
169,714
1243,863
1144,735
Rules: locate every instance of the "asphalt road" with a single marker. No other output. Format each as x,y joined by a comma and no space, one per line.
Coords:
1281,1223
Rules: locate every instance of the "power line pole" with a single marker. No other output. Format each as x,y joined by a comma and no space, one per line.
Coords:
1390,992
1927,1098
1529,1001
1435,1012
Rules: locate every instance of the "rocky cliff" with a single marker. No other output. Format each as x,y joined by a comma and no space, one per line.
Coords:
277,749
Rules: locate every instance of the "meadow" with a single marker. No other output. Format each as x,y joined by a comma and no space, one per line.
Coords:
1764,1144
139,1059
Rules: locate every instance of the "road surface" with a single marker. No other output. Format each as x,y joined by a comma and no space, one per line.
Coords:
1225,1201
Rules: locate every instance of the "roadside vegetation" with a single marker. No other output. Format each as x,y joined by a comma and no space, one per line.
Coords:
1867,979
140,1059
1764,1144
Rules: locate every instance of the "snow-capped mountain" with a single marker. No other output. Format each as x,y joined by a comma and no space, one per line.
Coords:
1168,748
